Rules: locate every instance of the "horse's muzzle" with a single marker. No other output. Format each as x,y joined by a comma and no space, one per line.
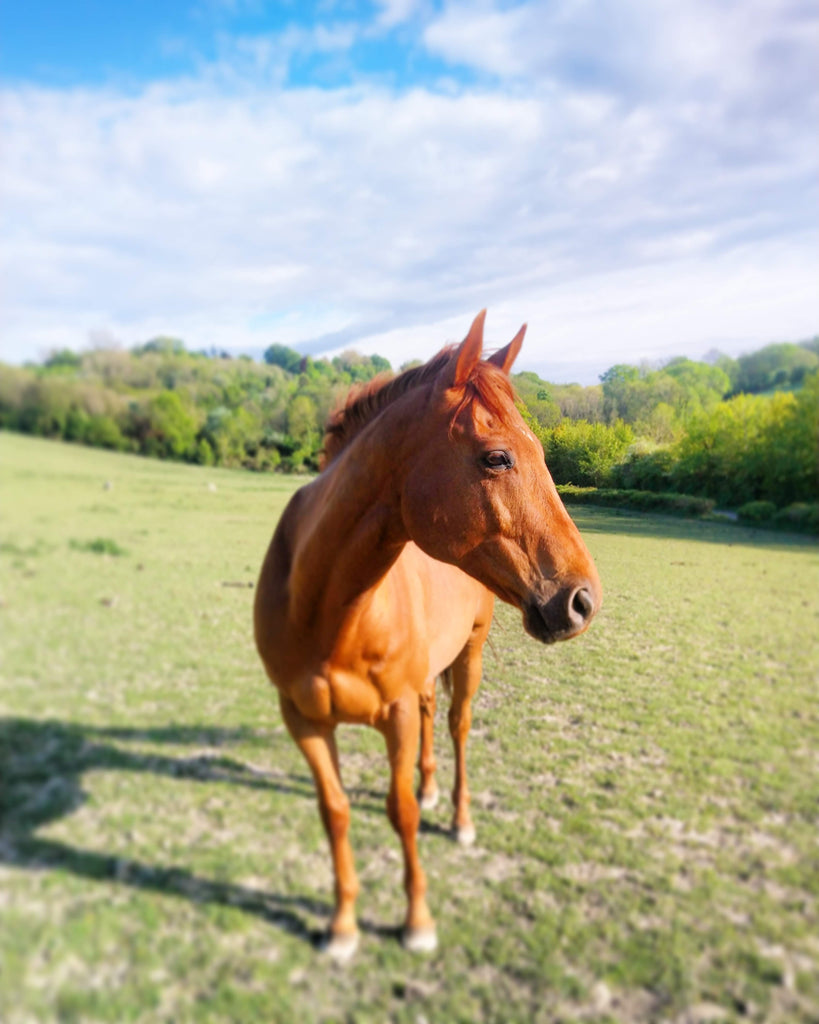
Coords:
564,615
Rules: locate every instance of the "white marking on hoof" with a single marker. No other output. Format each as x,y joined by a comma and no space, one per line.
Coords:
420,940
428,801
341,948
465,835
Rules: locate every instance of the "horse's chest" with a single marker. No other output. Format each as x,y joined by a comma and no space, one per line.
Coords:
365,679
357,694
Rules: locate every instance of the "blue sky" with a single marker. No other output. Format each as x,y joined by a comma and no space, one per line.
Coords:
95,43
636,179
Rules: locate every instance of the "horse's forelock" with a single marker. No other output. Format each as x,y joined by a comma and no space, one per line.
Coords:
489,387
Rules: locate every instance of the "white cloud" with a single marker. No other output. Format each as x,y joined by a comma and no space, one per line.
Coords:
626,197
480,36
395,12
578,328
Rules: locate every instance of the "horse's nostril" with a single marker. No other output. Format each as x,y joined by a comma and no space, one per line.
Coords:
581,605
564,615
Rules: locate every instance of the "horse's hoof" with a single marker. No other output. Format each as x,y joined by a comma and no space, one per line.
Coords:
420,940
341,947
465,835
428,801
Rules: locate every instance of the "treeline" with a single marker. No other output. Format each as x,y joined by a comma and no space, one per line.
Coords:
159,399
733,430
685,428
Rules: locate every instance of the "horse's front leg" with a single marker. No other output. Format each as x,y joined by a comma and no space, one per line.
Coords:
401,731
428,787
318,744
466,677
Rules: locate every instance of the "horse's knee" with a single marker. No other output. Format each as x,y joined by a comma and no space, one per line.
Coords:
460,720
427,763
336,817
403,812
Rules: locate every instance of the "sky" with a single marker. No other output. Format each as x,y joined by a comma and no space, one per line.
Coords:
635,179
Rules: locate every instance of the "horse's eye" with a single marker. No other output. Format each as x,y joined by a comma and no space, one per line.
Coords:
498,460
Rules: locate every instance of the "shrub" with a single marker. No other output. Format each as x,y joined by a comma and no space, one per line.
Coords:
585,454
753,448
646,467
756,512
204,452
643,501
102,432
173,427
801,515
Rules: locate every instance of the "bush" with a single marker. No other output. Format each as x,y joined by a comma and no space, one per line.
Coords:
102,432
642,501
204,452
585,454
801,515
646,467
172,427
753,448
756,512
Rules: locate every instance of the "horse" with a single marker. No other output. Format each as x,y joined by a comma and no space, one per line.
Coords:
433,499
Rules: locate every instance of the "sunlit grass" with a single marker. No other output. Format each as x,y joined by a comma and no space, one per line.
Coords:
646,797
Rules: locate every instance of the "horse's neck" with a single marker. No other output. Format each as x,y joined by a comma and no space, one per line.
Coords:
349,537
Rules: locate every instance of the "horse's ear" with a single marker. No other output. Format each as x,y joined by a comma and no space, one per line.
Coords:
468,353
504,357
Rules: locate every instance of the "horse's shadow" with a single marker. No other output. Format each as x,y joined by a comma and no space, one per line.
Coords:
42,763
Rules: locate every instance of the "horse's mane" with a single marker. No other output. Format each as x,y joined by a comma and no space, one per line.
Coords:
365,401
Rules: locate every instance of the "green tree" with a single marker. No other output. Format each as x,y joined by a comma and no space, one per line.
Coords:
163,344
702,386
754,448
586,454
302,422
62,360
775,366
537,396
287,358
380,364
45,405
359,368
172,427
578,402
102,432
622,393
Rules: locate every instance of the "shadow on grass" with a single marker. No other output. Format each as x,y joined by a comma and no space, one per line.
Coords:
41,767
595,519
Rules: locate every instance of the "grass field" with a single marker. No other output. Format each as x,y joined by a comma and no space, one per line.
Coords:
646,797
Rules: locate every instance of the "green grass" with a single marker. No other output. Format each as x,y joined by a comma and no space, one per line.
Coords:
646,797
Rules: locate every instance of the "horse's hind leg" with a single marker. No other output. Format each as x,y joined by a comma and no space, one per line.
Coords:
401,731
466,677
428,788
318,744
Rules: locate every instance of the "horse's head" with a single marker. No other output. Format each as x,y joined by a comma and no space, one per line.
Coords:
478,495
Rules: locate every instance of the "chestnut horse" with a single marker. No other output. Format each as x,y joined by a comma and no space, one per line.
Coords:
381,575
